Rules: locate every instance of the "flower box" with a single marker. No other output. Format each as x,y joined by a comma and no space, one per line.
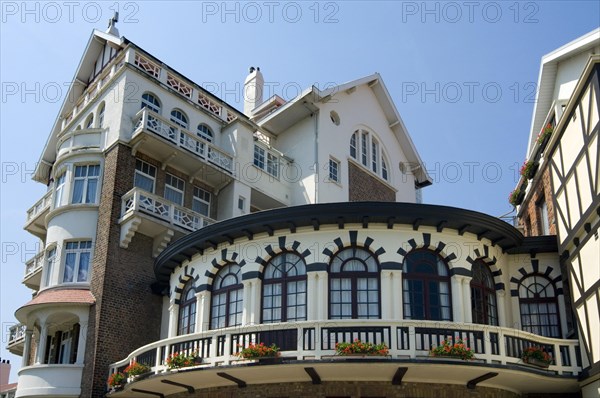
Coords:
258,351
358,347
537,362
536,356
452,349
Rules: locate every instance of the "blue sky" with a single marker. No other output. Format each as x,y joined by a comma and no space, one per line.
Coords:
462,74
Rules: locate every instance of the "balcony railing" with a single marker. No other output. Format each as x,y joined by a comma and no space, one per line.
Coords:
16,334
140,200
407,340
39,207
34,264
150,121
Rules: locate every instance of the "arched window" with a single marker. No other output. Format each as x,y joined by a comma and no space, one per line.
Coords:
179,118
101,115
227,297
483,295
426,287
354,285
284,289
187,310
366,149
205,133
89,122
539,306
151,102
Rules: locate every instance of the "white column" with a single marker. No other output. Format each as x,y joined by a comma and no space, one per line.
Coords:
457,303
398,309
27,347
515,314
202,311
388,299
322,298
466,298
247,301
256,302
41,348
83,325
312,299
562,313
173,318
500,297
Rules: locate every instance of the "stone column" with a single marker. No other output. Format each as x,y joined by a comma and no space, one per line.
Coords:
41,350
27,348
500,298
173,318
202,311
466,299
247,302
457,302
388,295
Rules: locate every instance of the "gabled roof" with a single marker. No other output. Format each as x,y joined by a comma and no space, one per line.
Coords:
307,102
547,79
84,69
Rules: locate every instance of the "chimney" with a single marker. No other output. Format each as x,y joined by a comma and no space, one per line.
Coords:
4,372
253,90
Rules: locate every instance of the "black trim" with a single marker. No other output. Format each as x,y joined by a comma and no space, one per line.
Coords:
148,392
391,265
353,212
317,267
241,383
189,388
471,384
314,376
460,271
250,275
398,376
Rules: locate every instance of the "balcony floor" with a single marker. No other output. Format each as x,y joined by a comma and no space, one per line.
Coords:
517,379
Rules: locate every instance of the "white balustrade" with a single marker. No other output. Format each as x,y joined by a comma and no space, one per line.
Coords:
150,121
140,200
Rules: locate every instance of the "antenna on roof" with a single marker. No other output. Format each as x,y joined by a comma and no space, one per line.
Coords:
112,29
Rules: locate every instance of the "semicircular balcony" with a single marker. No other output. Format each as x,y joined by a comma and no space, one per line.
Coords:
307,354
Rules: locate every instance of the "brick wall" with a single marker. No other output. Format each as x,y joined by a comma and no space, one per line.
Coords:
127,314
530,217
363,186
351,389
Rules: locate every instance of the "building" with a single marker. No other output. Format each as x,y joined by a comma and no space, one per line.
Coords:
174,223
561,196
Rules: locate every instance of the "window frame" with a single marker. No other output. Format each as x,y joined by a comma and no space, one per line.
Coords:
266,160
204,132
175,189
201,200
488,308
143,174
544,217
354,277
188,309
49,263
537,301
228,290
77,251
86,183
147,103
285,281
426,279
59,188
334,175
179,117
367,151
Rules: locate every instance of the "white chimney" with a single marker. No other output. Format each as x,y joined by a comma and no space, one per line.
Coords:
253,90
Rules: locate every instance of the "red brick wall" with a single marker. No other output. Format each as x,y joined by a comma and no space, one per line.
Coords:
363,186
351,389
127,315
541,191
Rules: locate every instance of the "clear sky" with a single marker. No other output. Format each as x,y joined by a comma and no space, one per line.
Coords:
462,74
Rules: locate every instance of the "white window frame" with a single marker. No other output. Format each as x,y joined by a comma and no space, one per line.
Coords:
101,111
545,220
49,265
368,152
151,106
86,183
204,132
142,173
178,117
334,170
176,185
60,185
78,251
267,161
202,199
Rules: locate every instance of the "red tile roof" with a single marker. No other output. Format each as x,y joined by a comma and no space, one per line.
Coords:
71,296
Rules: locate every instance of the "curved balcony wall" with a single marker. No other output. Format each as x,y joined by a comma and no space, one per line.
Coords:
50,380
390,234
